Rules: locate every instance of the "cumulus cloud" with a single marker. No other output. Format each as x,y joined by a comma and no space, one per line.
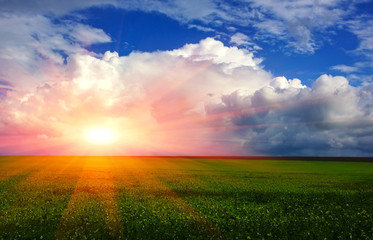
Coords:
157,99
201,99
210,49
288,118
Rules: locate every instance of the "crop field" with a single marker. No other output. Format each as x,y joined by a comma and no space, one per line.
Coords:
184,198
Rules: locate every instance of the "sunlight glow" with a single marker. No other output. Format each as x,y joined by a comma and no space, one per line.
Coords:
100,135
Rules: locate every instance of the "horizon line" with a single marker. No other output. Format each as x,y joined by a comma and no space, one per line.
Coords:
300,158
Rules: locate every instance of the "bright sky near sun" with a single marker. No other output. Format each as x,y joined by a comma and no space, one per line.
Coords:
198,77
100,135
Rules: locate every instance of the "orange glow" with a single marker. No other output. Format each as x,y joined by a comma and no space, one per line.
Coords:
162,120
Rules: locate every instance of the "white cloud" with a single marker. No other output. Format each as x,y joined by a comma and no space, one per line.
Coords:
40,7
87,35
201,28
302,25
210,49
344,68
297,21
37,42
362,28
240,39
273,27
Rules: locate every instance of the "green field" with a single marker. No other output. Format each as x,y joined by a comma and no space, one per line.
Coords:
184,198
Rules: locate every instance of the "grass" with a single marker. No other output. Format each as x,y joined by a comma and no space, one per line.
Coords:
184,198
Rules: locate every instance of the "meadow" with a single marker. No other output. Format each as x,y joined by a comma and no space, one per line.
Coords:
184,198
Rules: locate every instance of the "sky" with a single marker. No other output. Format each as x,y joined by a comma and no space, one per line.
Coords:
197,77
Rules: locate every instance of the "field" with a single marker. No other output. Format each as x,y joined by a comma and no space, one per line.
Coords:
184,198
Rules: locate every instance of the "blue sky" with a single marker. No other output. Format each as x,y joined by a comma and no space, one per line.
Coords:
139,31
285,66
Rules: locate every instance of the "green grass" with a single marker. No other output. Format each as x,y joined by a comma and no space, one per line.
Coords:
181,198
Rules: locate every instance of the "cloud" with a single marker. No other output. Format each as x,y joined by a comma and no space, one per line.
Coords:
304,21
87,35
41,7
242,40
298,24
37,43
210,49
298,19
344,68
155,100
288,118
302,26
201,99
362,28
201,28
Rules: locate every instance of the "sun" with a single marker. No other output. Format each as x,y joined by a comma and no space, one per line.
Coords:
100,135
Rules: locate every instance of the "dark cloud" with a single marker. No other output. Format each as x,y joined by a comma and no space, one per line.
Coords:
286,118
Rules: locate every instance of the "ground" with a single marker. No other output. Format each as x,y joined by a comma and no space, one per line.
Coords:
184,198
